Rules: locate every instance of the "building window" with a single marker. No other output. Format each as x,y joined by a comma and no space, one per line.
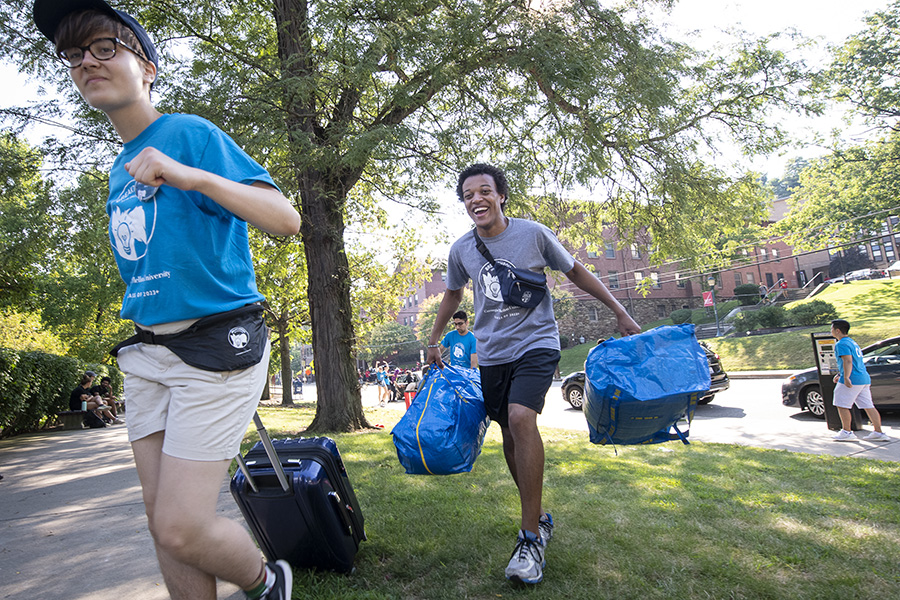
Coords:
876,252
655,278
679,281
635,251
443,275
769,281
762,253
863,250
774,252
594,314
638,276
737,279
613,280
417,299
750,278
610,250
593,254
406,320
889,249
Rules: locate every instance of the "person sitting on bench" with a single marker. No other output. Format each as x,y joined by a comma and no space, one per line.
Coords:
94,403
103,394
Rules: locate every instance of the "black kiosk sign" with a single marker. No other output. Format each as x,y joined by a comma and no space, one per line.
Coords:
827,365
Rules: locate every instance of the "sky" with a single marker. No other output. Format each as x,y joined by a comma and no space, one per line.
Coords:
832,21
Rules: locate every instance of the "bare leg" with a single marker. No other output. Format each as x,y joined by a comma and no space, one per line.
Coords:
527,450
875,417
193,544
845,418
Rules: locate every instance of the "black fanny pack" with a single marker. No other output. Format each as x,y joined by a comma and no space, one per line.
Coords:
520,287
227,341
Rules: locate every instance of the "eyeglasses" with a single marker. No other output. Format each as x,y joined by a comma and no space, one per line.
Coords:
458,323
101,49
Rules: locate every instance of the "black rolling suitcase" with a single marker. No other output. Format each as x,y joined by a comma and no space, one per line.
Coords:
298,502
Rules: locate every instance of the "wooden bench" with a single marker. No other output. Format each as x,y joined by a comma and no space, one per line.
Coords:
71,419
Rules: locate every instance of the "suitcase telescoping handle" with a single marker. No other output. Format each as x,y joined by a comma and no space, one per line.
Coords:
270,452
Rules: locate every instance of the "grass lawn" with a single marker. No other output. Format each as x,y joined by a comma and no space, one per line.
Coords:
655,522
872,307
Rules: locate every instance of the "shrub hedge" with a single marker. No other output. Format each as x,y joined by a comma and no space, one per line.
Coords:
747,293
36,385
682,315
816,312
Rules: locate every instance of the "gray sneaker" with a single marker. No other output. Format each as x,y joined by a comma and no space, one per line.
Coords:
545,525
284,581
526,565
877,436
845,436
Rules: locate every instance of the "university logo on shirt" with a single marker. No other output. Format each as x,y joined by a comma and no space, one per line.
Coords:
132,224
488,281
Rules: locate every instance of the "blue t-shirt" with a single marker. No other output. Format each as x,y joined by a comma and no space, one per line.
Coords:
462,347
858,374
181,255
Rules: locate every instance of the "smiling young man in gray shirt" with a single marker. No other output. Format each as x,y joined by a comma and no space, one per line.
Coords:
518,348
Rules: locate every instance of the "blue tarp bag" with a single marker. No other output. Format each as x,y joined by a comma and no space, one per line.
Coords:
442,431
639,387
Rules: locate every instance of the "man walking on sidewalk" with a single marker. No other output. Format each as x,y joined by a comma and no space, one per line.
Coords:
852,385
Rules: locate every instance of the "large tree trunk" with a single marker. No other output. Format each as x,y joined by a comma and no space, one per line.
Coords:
339,404
284,353
322,192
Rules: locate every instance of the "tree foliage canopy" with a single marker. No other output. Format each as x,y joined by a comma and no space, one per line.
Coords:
352,102
25,222
845,196
865,69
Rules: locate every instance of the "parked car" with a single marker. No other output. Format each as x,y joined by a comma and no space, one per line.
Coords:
573,385
864,274
882,360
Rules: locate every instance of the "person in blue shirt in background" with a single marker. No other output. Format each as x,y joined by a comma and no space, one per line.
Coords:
461,342
852,385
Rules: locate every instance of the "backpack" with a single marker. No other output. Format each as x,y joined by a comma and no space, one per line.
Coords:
92,420
638,388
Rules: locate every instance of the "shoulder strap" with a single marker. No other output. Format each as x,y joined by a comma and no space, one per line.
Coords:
483,249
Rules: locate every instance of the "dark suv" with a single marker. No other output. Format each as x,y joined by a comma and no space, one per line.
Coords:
573,385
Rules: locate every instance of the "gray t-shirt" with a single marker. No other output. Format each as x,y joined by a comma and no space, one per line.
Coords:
505,332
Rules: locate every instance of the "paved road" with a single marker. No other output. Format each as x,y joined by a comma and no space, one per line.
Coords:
749,413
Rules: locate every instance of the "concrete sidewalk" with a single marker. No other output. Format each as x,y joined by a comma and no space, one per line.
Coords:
72,523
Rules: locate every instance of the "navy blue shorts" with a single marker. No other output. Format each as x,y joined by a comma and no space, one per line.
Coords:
524,381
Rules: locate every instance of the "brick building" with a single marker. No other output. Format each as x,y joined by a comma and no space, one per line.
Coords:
670,288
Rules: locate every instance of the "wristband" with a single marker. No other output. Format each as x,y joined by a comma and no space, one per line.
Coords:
434,345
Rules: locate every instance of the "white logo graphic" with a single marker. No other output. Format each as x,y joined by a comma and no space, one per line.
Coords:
458,351
238,337
129,226
526,296
490,285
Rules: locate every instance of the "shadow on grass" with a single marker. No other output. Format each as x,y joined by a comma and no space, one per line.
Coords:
705,520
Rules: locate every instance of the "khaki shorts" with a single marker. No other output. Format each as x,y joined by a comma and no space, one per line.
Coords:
845,397
204,414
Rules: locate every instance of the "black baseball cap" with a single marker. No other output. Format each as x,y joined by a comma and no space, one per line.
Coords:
48,14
